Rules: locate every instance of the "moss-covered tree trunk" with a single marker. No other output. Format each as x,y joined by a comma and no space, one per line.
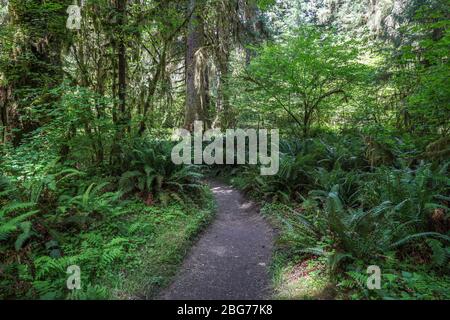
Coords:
35,64
196,69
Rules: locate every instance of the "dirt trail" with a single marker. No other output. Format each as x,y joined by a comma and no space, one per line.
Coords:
231,258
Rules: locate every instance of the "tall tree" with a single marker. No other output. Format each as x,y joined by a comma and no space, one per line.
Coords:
301,75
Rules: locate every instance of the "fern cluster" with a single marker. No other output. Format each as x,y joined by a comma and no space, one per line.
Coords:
335,200
147,168
53,216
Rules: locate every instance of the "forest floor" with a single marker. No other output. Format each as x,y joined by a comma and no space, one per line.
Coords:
231,258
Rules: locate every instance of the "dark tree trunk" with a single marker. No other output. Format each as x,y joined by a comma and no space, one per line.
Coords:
122,62
122,114
5,97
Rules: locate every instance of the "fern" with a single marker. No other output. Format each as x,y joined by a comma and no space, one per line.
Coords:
9,225
26,233
418,236
149,170
440,253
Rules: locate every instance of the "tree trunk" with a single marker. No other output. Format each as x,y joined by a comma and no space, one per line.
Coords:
152,86
35,61
122,117
196,71
122,62
223,117
5,97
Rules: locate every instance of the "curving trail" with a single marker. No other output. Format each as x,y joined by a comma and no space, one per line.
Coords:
231,258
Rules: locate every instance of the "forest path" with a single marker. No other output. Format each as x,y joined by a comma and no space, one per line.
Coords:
232,256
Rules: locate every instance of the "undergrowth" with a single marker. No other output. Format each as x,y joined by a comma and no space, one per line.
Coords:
350,204
127,232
